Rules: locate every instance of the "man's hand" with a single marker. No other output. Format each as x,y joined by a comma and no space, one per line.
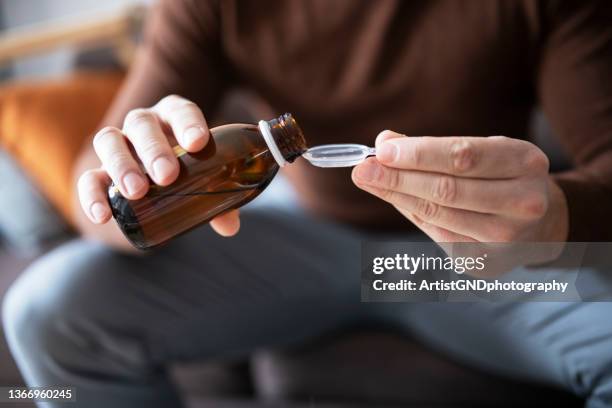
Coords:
145,132
468,189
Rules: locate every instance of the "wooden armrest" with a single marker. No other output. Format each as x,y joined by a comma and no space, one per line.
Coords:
118,29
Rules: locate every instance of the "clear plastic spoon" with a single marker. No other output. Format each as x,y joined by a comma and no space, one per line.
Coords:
338,155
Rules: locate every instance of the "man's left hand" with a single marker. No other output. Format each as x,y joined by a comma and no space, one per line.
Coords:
468,189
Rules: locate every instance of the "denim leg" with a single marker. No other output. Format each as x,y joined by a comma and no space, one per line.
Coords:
564,344
109,323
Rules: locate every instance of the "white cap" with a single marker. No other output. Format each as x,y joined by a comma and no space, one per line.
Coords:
264,128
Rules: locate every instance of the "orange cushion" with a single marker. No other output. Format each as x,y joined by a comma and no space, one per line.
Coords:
43,125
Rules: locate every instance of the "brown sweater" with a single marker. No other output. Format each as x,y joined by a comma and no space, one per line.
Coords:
348,69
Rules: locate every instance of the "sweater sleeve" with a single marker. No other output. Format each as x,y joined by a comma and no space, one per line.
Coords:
575,90
181,54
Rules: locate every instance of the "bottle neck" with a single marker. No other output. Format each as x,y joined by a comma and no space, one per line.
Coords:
284,138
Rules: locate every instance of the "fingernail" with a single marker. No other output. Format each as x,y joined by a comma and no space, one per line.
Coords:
162,167
133,183
193,134
387,152
98,211
367,171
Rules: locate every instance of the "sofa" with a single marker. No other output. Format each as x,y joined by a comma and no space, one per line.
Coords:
44,124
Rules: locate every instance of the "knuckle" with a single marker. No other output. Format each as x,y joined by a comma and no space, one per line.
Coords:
153,148
138,116
187,105
443,235
505,234
174,101
428,210
118,163
415,155
392,179
536,161
501,138
182,119
86,181
462,156
170,99
445,189
105,135
387,195
533,205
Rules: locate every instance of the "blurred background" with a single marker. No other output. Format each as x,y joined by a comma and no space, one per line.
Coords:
50,50
44,46
45,16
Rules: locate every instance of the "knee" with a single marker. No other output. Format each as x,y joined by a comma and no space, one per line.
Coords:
591,378
16,312
586,350
43,302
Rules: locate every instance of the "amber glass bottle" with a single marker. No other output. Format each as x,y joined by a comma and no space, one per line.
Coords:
236,165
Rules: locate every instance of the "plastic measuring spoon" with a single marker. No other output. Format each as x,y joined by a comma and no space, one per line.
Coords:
338,155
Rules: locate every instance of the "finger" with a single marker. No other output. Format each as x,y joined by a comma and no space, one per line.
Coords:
227,224
186,120
112,149
438,234
478,226
482,157
517,198
143,129
91,189
386,135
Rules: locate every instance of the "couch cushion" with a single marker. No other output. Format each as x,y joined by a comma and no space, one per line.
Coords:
43,125
387,368
10,267
28,223
242,403
213,379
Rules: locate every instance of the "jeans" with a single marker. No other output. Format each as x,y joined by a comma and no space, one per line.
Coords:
109,323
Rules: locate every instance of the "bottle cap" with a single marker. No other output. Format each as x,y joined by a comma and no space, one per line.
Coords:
264,128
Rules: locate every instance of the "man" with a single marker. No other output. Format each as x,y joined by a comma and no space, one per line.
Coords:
108,322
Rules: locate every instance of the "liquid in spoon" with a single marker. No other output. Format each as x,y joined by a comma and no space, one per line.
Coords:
338,155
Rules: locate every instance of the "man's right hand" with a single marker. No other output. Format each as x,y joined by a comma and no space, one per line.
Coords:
145,131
